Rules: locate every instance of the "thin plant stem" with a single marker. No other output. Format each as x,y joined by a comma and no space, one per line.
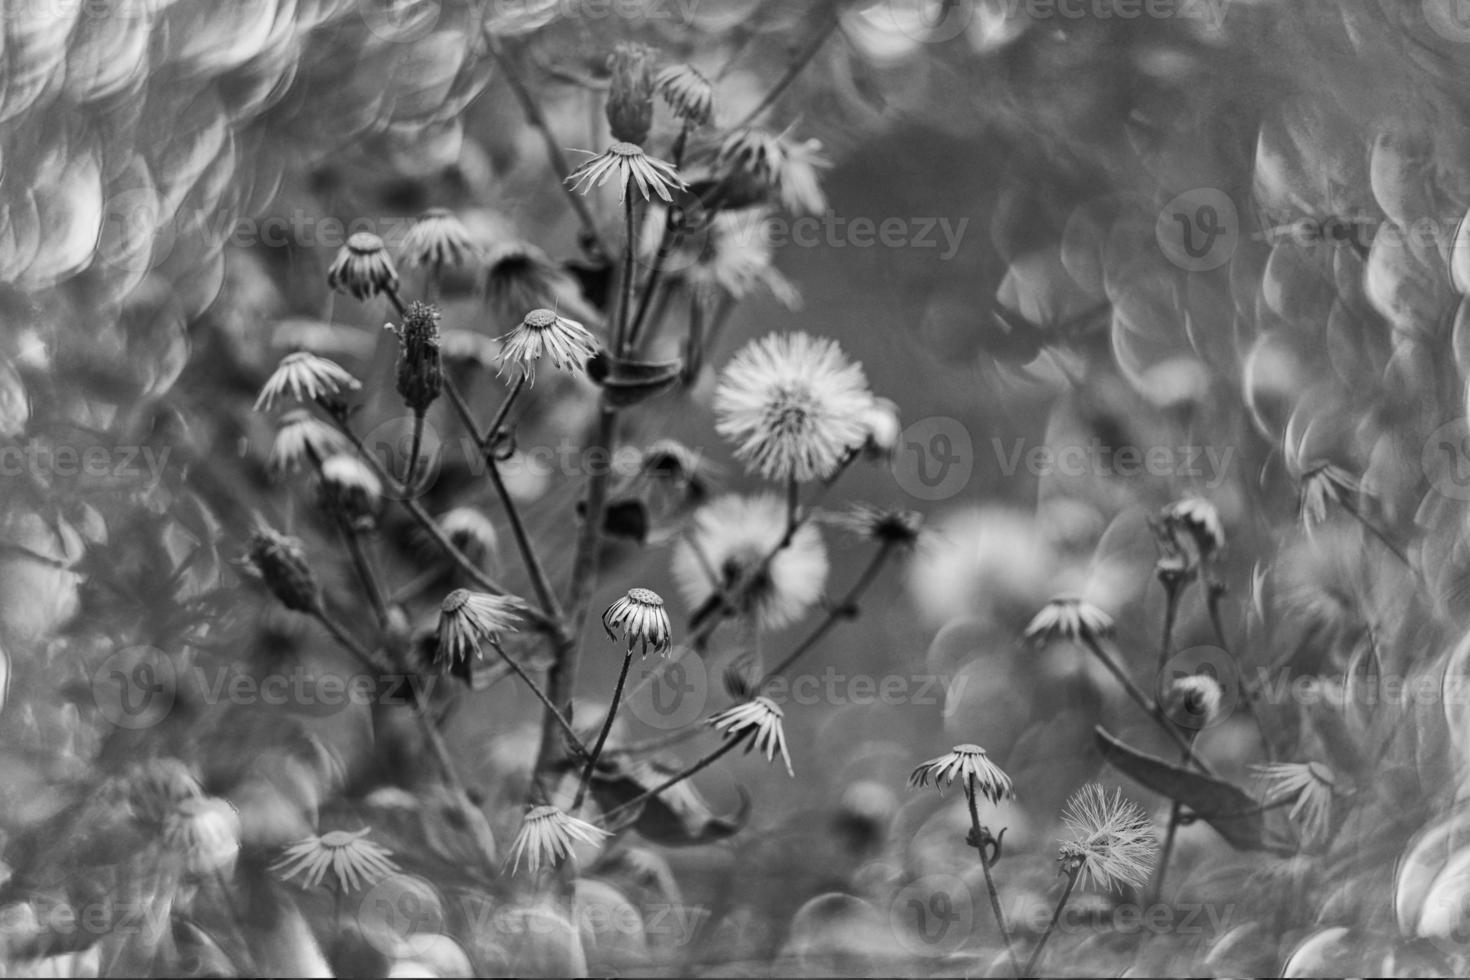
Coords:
841,610
995,906
607,723
673,780
1146,703
1175,812
530,682
1378,533
667,241
798,64
1050,926
1173,589
415,446
537,119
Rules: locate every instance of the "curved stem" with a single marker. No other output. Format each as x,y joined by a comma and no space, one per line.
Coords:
995,906
1175,811
607,723
802,59
1147,704
530,682
839,611
1051,926
673,780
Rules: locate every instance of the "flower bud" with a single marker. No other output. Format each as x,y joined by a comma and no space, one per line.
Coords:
281,564
630,102
420,366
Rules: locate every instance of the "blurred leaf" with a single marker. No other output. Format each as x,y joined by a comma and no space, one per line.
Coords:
679,816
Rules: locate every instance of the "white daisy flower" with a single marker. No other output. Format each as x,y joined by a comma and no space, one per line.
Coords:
352,860
547,836
688,93
1069,617
730,538
628,162
566,342
971,765
793,405
307,377
301,436
466,618
1310,784
363,268
759,721
438,238
206,831
643,620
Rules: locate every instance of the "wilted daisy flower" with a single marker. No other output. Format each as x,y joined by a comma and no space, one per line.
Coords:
1323,485
788,168
363,268
884,426
643,620
206,831
1311,784
1201,519
438,238
630,164
301,436
1069,617
971,765
350,485
1112,842
730,538
759,722
547,836
688,93
566,342
519,276
794,405
1194,701
882,524
734,257
280,561
307,377
470,531
352,859
629,105
420,371
466,618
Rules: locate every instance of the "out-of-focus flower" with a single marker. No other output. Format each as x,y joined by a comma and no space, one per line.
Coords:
885,525
352,860
301,436
793,404
730,539
1194,701
466,618
688,93
1201,519
470,531
990,562
566,342
788,168
734,257
306,377
971,765
632,166
1321,485
630,97
350,485
1311,784
758,722
547,836
519,276
420,375
280,561
156,788
1069,617
1112,842
643,620
438,238
468,347
363,268
884,426
206,831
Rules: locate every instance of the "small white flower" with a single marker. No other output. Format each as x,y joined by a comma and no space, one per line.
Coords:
759,721
363,268
547,836
687,92
206,831
1069,617
542,332
629,163
306,377
971,765
301,436
466,618
793,405
438,238
643,620
352,860
1311,784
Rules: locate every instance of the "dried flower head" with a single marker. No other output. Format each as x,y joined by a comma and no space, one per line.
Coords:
688,93
885,525
788,168
547,836
633,167
630,97
759,723
471,532
420,366
438,238
363,267
468,618
302,436
643,620
206,831
350,486
352,860
1311,784
1112,841
1069,617
542,332
306,377
728,545
793,404
1194,701
280,561
1200,519
971,765
734,257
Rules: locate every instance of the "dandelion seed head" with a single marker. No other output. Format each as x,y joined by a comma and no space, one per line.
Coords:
1112,842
